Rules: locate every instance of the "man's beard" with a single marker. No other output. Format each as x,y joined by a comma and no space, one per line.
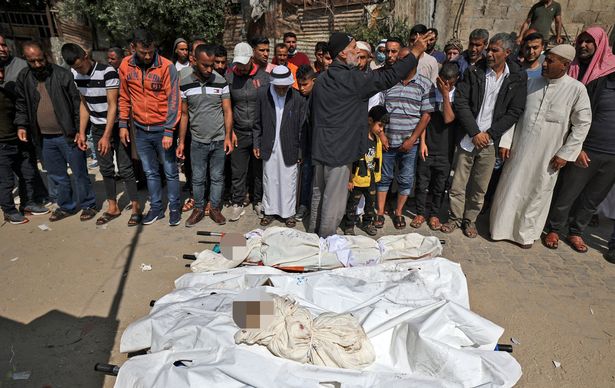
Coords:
42,73
141,63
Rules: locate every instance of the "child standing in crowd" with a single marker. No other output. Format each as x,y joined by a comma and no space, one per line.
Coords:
305,79
436,151
365,174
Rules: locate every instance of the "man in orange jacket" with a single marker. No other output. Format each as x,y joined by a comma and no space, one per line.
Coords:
149,93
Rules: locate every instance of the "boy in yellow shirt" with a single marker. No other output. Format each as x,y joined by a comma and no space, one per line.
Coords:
364,175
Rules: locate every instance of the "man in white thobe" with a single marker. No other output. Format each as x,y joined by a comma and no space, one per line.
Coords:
550,133
277,132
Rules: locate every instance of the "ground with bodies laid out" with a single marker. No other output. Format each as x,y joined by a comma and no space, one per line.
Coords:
69,292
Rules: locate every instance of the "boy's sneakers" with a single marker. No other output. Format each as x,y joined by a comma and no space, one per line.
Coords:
175,217
35,210
152,216
15,218
259,210
302,213
236,212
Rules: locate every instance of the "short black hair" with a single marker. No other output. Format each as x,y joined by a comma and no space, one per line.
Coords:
305,72
534,36
279,46
289,35
258,40
434,30
379,113
395,39
208,49
220,51
117,50
480,33
142,36
449,70
321,46
418,29
71,52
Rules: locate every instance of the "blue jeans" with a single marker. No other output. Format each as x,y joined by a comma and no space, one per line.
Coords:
204,156
150,150
406,162
57,153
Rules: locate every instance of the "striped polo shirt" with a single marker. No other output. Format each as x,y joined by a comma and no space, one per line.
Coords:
406,104
93,87
204,101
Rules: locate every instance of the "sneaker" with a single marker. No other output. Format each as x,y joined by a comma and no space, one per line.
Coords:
216,216
94,164
370,229
175,217
301,213
236,212
15,218
259,210
610,255
196,217
152,216
35,210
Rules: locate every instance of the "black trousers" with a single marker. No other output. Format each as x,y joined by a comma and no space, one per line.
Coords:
432,175
241,158
351,218
106,164
18,158
580,191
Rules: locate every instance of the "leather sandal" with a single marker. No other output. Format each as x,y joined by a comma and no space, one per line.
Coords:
469,230
417,221
551,240
379,221
106,217
434,223
87,214
135,219
449,227
290,222
266,220
399,222
577,243
189,205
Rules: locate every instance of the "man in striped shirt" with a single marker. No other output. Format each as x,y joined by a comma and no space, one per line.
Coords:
98,86
409,104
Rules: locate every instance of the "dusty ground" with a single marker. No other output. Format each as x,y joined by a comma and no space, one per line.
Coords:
69,292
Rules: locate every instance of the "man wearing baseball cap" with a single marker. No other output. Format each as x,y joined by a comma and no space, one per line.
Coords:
244,79
339,117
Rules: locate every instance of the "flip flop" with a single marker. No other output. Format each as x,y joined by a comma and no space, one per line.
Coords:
399,222
577,243
551,240
106,217
135,219
87,214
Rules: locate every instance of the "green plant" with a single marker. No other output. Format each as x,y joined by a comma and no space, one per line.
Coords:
385,28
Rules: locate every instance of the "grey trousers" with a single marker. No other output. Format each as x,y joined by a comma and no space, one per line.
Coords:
329,196
472,174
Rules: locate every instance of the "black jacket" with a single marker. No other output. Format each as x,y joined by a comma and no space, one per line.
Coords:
509,105
595,87
64,97
339,109
293,119
243,96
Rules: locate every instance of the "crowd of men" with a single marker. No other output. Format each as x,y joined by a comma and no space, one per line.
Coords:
513,128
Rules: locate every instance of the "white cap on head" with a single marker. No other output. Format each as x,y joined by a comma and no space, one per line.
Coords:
364,46
281,76
565,51
242,53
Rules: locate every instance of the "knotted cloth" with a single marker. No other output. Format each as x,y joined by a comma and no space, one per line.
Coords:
334,340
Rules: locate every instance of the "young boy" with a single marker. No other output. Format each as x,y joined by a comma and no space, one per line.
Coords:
436,151
305,79
365,173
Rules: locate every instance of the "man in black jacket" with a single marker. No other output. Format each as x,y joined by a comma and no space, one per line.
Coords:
47,111
489,100
339,117
277,135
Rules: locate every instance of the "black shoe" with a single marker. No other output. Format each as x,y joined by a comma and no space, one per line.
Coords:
610,256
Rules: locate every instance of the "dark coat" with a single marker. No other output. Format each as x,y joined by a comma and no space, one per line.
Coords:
594,89
293,119
339,109
64,97
509,105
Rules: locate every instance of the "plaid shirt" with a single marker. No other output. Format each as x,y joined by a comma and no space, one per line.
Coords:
406,104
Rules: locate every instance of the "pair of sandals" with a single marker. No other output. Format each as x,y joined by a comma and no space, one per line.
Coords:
433,223
469,228
134,220
399,221
290,222
551,241
59,214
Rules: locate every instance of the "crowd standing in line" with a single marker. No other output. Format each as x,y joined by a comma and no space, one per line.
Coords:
527,133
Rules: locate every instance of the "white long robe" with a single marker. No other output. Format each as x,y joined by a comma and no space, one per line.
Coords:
556,120
279,180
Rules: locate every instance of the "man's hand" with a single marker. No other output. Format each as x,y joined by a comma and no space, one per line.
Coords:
443,86
228,145
80,140
22,134
583,160
257,153
481,140
179,151
104,145
424,152
124,136
504,153
167,142
420,44
407,144
350,186
234,139
557,163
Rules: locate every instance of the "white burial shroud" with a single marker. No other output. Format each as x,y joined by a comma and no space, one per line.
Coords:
414,312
